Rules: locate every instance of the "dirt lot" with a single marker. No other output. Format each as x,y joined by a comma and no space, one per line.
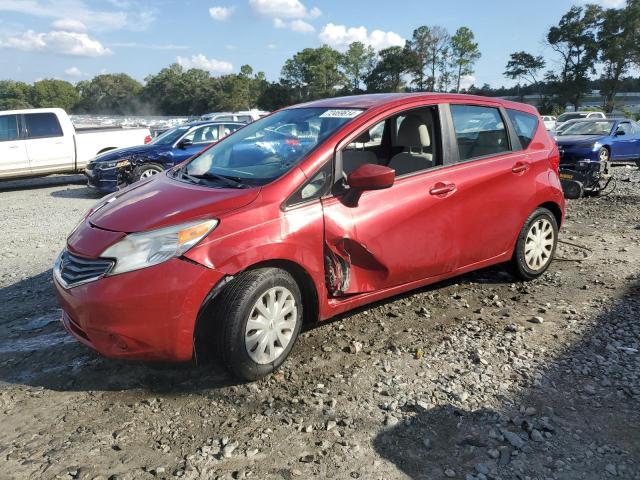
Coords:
477,378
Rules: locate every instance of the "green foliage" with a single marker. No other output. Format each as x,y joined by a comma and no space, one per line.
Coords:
524,66
574,39
15,95
313,73
357,63
109,94
54,93
464,54
428,44
387,76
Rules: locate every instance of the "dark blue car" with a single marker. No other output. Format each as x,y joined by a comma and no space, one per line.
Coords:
601,140
117,168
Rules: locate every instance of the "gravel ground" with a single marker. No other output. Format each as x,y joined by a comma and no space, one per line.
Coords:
476,378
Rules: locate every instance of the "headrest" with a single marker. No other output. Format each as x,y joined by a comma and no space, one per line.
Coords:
364,137
413,133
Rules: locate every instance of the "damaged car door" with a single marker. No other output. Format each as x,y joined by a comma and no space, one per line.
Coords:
377,239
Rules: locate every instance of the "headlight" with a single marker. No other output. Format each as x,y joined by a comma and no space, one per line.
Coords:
114,164
140,250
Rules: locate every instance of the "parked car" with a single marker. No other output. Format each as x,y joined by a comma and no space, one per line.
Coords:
606,140
118,168
43,141
245,116
565,117
228,256
549,122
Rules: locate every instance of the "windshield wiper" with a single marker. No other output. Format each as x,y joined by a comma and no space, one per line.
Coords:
229,181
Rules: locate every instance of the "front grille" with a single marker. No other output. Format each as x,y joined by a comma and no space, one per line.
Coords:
72,270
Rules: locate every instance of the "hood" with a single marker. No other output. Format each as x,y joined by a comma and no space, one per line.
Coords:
162,201
119,153
578,140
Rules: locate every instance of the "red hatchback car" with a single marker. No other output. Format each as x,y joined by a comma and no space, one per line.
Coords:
312,211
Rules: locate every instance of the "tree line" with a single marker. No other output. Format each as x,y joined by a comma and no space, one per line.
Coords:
587,40
432,59
596,48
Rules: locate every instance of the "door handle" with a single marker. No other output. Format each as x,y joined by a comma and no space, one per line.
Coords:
521,167
13,147
442,188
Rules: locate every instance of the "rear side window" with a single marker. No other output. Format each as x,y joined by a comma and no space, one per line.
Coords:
245,118
42,125
480,131
8,128
525,125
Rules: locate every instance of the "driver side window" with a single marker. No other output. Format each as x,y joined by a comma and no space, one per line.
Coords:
408,142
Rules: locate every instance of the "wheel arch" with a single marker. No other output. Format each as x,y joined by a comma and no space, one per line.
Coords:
301,276
107,149
555,209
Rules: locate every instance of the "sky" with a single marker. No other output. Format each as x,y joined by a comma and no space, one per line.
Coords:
78,39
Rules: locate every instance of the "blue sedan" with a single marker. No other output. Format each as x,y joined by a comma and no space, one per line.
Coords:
116,168
601,140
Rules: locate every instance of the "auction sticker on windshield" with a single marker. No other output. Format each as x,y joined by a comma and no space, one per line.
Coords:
341,114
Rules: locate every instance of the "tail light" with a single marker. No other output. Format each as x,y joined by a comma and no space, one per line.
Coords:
554,158
148,139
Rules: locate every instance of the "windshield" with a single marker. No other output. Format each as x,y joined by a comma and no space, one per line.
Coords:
570,116
170,136
266,149
589,128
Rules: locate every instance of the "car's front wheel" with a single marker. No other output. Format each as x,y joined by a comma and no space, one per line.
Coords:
146,170
257,319
536,245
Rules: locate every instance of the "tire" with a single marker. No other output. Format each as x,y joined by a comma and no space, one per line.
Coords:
525,264
604,155
146,170
231,334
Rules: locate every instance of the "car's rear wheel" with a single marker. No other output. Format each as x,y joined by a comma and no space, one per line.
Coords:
257,318
536,245
146,170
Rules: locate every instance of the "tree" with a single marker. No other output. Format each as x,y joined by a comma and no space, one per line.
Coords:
176,91
445,70
617,41
357,63
387,76
464,53
110,94
523,66
15,95
54,93
427,44
313,73
574,39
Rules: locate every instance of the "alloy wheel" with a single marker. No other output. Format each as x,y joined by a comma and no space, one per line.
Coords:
149,172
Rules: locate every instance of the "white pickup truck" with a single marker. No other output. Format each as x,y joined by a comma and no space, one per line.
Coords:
43,140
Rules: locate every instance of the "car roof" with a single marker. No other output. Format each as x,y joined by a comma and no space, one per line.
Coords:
380,100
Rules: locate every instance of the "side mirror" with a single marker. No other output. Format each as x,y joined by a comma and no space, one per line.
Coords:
371,177
184,143
619,133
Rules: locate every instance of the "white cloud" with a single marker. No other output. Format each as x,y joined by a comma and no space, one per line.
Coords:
74,72
606,3
272,46
134,17
208,64
467,81
298,25
221,13
340,36
57,42
284,9
301,26
69,25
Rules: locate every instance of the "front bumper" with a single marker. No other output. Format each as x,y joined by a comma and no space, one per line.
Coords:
102,180
148,314
571,155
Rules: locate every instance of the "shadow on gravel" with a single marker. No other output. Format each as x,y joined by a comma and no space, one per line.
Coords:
587,401
77,193
42,182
